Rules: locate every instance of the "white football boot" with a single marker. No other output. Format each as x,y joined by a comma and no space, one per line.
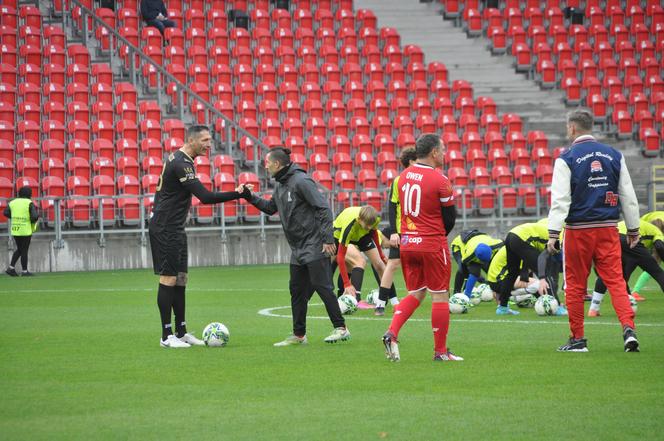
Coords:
193,341
339,334
173,342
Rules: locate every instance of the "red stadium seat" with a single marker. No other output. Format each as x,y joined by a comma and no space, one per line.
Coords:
344,180
78,167
128,165
6,169
27,167
104,208
78,148
152,165
79,208
127,148
224,181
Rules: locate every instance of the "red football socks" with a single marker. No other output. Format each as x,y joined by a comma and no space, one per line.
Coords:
402,313
440,323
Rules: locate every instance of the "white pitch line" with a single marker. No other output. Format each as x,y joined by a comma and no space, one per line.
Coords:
267,312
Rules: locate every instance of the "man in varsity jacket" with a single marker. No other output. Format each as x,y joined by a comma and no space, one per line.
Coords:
590,186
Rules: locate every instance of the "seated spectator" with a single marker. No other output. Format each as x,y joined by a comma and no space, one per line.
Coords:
154,13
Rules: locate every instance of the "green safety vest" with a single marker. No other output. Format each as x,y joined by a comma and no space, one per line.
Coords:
20,208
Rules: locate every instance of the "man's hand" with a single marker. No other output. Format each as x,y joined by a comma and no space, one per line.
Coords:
633,238
394,240
543,286
350,290
160,17
553,246
245,190
329,249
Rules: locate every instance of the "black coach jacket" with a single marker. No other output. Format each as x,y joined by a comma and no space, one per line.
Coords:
304,213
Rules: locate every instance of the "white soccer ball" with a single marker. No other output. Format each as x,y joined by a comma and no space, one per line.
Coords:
524,300
632,302
216,334
347,304
459,303
546,305
475,297
372,297
485,292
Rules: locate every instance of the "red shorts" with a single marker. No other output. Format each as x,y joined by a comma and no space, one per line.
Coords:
426,270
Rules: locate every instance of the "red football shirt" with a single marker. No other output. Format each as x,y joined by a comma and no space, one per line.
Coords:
422,192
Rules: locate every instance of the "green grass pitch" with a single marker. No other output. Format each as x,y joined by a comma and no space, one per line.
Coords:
80,359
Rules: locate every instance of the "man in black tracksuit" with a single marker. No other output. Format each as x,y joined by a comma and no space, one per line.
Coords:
307,221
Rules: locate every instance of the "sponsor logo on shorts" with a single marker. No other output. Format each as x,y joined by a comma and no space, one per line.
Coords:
405,239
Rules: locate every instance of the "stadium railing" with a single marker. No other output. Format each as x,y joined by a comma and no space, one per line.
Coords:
103,216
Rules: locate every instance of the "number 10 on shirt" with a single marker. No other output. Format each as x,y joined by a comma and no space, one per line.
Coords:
412,196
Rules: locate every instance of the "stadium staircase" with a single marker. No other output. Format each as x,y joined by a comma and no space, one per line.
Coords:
605,55
471,54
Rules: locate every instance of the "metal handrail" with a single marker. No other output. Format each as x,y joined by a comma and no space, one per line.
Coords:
161,72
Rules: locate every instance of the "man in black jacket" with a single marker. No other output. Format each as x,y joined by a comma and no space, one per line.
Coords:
307,221
154,13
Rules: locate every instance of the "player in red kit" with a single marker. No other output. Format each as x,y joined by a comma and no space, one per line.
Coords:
427,215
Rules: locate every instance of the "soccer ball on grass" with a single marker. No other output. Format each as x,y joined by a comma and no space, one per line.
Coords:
524,300
459,303
484,291
347,304
546,305
216,335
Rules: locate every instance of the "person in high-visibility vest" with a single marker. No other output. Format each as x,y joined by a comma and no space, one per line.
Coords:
357,226
645,277
24,216
647,254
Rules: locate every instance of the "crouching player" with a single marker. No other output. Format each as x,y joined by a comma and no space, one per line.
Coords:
645,255
645,277
548,268
476,256
358,226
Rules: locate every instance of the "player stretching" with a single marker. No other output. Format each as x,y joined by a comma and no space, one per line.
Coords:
427,214
168,240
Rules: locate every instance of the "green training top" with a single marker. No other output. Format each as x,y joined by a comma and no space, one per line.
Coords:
498,267
394,197
347,229
468,253
649,217
534,234
457,245
649,233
